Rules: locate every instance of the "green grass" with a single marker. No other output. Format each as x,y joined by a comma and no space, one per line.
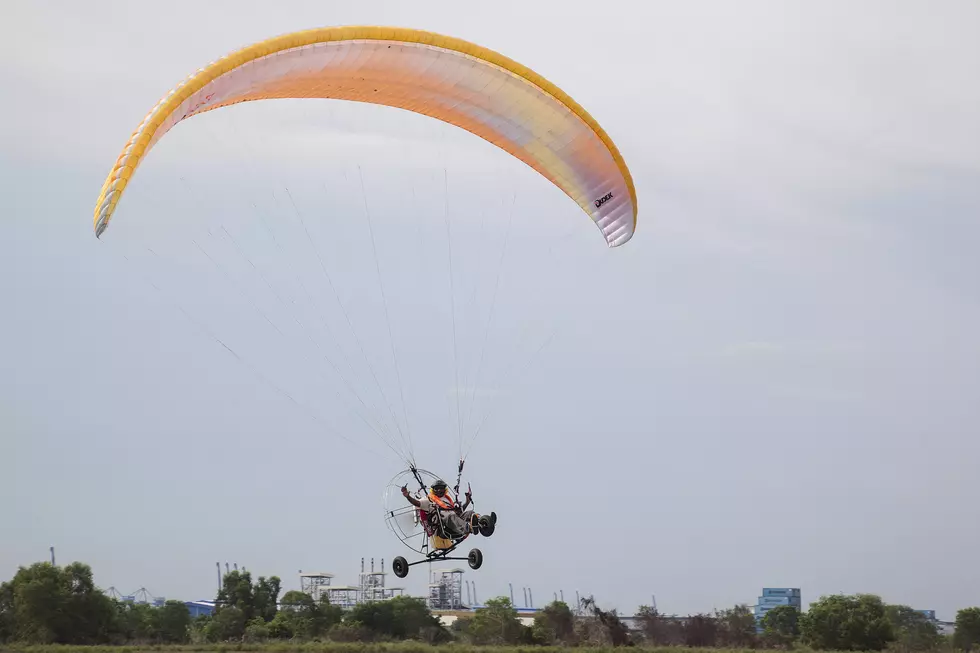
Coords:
365,647
337,647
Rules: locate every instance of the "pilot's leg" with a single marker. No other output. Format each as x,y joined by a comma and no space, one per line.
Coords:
454,524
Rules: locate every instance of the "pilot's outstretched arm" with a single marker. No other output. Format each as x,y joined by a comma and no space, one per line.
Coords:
412,500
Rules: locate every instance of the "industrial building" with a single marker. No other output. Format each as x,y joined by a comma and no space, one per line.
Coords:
451,597
371,587
201,608
775,596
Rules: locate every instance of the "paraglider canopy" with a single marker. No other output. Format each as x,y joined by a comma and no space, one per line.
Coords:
446,78
451,80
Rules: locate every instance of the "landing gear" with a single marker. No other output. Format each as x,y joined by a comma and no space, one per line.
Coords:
400,565
487,524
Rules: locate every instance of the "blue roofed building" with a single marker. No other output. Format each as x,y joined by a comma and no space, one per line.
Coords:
199,608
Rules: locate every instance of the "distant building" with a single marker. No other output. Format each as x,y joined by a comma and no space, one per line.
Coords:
447,617
775,596
946,627
943,627
446,590
199,608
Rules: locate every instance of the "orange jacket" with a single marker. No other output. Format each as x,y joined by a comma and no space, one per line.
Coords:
444,503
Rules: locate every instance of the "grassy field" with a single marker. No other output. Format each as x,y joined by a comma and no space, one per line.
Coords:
380,647
336,647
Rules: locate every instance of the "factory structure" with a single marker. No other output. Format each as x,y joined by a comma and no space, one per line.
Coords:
370,587
450,596
447,590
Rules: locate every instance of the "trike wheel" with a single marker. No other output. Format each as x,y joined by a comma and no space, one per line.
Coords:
475,558
487,527
400,566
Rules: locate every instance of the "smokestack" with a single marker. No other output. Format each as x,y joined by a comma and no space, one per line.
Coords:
475,600
562,592
530,596
525,596
52,557
511,586
219,575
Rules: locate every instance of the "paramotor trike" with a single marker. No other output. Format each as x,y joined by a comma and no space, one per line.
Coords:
422,531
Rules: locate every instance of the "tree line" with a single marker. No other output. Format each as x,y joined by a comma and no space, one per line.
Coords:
861,622
46,604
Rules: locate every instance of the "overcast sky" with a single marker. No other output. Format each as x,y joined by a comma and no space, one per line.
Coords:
775,383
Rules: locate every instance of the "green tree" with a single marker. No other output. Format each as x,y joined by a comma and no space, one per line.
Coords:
847,623
913,630
264,596
327,616
967,635
781,625
7,622
228,623
554,624
135,622
402,617
201,629
298,617
496,623
303,617
737,627
257,630
173,623
236,590
45,604
252,603
280,626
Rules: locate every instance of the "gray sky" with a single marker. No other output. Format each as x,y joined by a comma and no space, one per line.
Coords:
774,383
